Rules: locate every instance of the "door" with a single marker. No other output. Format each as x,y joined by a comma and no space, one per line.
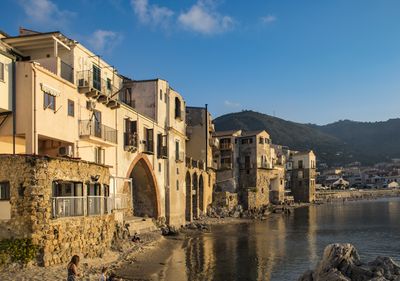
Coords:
96,77
97,123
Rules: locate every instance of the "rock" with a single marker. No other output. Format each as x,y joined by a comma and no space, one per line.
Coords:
341,262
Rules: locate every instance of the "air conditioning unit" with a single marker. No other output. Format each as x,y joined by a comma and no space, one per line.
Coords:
90,105
65,151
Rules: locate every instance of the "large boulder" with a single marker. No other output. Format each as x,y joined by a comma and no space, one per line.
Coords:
341,262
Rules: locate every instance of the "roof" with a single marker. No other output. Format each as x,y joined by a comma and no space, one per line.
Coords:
227,133
38,40
253,133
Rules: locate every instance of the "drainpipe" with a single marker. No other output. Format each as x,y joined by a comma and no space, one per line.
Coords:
206,117
14,105
34,110
167,192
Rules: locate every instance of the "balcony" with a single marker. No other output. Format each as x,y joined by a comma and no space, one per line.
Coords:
97,88
58,67
130,142
162,152
226,166
97,132
226,146
214,142
180,156
148,146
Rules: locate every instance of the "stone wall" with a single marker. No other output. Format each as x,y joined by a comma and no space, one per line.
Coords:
254,199
225,200
31,179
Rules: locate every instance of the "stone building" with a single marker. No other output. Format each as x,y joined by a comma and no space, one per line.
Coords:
200,166
247,167
61,204
303,176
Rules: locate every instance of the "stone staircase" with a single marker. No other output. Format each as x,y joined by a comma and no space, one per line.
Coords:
139,225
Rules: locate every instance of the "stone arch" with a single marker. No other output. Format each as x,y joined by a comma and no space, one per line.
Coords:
145,193
195,197
201,193
188,210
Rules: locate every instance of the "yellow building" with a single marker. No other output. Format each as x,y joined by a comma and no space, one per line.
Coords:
71,103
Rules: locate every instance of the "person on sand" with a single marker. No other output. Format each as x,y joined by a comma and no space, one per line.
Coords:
103,276
73,269
136,238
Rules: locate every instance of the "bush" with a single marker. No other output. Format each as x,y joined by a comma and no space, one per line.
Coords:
17,250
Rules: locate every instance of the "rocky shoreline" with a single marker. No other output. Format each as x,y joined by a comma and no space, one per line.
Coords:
341,262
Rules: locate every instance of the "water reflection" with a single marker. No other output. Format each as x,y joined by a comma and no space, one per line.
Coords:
283,247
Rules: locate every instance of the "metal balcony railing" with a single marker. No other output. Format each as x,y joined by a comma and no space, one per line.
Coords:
162,151
130,140
148,146
98,130
86,78
225,146
180,156
67,72
226,166
68,206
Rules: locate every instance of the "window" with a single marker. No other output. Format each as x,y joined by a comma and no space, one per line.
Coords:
162,146
130,134
300,174
109,87
177,185
96,77
68,199
94,198
161,94
247,162
71,108
1,71
261,140
300,164
5,190
99,155
165,97
159,167
247,141
178,110
177,150
49,101
149,140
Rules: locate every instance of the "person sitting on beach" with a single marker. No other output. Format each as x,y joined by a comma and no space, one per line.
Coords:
103,276
73,269
136,238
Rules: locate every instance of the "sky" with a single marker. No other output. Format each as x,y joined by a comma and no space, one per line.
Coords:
307,61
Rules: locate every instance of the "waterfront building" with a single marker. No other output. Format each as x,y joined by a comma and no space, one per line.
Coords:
101,148
200,165
249,166
303,176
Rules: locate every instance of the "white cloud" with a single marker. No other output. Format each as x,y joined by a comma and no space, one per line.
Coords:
44,13
202,17
231,104
104,40
269,19
151,14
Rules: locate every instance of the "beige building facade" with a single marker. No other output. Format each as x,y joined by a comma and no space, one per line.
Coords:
200,166
70,103
303,176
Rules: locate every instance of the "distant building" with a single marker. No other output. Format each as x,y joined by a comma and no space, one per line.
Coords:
303,176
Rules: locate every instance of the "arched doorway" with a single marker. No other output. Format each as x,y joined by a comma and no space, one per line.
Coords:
195,193
201,194
188,211
144,190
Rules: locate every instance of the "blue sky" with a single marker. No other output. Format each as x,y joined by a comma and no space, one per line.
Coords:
303,60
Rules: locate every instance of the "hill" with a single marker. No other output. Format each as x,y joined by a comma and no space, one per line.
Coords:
336,144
